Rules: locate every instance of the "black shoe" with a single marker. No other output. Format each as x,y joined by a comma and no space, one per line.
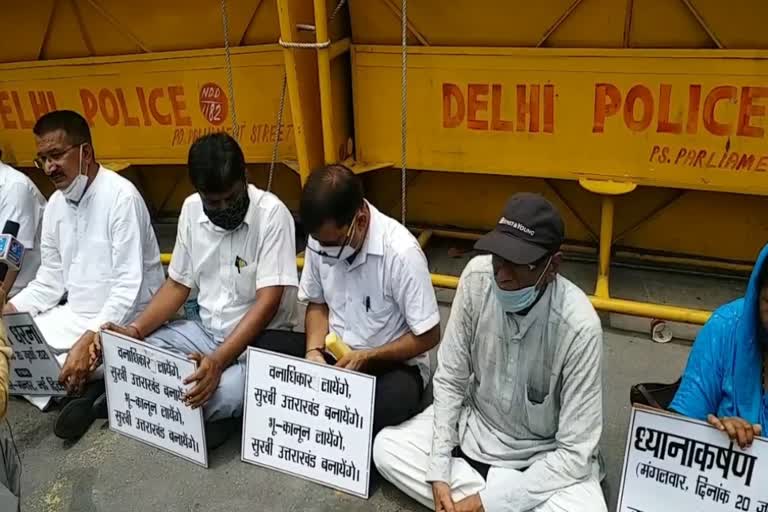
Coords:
217,432
100,411
78,414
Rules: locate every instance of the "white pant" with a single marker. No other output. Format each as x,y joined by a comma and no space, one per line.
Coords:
402,454
61,328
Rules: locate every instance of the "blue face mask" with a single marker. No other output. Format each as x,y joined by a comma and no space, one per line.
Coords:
515,301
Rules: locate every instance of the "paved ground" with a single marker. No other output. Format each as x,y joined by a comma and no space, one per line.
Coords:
107,472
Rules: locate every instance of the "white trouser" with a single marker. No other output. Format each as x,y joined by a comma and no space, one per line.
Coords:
61,328
402,453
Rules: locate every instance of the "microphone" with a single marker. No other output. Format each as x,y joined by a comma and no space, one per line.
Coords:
11,250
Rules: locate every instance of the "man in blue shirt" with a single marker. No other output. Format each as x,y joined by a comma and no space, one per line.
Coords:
726,379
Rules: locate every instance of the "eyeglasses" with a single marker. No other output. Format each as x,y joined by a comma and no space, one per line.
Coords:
347,238
55,156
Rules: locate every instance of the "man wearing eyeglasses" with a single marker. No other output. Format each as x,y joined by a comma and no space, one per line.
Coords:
366,279
98,252
21,202
517,413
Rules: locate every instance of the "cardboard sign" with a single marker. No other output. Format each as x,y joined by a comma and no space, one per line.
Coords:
676,463
309,420
145,397
34,368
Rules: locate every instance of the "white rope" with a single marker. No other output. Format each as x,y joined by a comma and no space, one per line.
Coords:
304,46
404,113
279,123
228,57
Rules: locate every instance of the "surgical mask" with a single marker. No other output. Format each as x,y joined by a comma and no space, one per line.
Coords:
75,190
333,254
232,216
515,301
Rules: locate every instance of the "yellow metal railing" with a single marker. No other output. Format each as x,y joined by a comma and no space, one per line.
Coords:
601,303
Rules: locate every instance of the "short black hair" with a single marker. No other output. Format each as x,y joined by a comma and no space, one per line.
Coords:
332,193
73,124
216,163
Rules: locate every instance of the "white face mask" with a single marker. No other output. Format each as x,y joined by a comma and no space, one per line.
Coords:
333,254
75,190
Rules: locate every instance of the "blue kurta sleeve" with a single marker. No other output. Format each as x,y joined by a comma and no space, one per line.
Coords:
700,392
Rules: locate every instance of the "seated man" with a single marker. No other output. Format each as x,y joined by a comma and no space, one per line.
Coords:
21,202
366,280
237,245
726,379
98,249
517,412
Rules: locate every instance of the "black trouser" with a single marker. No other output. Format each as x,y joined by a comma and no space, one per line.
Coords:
398,387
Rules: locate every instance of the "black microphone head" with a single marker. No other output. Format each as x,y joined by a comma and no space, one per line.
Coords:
11,228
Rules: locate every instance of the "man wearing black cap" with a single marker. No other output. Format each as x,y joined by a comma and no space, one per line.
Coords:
517,415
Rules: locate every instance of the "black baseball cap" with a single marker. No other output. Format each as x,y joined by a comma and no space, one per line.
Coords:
529,229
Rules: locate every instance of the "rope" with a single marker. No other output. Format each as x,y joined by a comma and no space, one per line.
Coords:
228,56
404,113
304,46
279,123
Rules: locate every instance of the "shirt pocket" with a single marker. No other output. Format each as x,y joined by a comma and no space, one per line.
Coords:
541,410
245,284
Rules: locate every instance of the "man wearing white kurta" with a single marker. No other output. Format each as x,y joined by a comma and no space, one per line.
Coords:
517,413
236,244
21,202
98,249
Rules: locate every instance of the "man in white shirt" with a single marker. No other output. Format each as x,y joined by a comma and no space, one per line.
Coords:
98,249
21,202
517,413
366,280
236,244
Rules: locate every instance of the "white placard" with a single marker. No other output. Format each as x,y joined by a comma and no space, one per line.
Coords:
676,463
309,420
145,397
34,368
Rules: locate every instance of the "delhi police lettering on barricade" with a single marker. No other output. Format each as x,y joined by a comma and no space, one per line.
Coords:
184,440
260,446
663,476
297,456
336,386
134,357
123,418
290,374
713,492
691,451
296,404
330,438
290,429
344,416
262,396
341,468
118,374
